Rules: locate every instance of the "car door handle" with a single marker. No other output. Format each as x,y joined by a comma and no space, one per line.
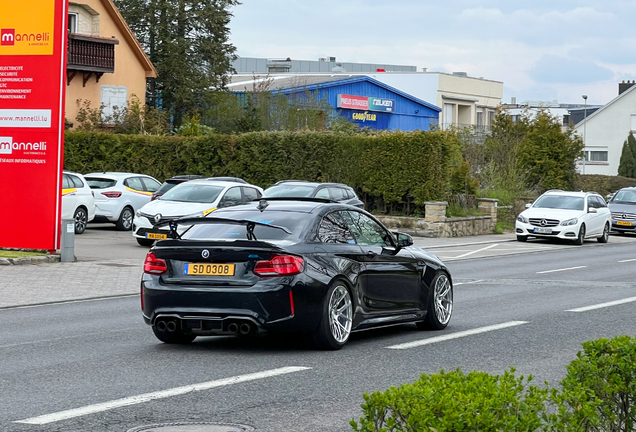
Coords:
371,254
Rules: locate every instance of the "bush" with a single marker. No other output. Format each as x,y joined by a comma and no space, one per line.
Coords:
599,390
392,171
454,401
602,184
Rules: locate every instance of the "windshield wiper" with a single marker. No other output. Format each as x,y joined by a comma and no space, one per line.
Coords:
249,225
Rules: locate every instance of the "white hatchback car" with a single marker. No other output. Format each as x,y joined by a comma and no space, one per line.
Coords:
195,198
77,200
119,195
565,215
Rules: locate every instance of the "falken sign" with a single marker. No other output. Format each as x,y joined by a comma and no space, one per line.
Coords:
366,103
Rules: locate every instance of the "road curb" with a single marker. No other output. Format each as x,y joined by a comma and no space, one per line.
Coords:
29,260
70,300
469,244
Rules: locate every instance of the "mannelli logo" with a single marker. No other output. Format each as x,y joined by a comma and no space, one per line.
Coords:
7,146
7,36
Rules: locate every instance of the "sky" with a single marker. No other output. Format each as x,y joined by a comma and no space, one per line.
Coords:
541,50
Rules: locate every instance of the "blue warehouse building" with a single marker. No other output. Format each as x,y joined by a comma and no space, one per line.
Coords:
361,99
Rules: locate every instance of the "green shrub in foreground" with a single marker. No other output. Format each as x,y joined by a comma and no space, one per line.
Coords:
454,401
599,390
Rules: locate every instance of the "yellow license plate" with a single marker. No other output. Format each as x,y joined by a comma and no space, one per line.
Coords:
156,236
209,269
624,223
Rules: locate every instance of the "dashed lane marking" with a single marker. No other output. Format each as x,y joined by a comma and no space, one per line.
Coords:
560,270
627,260
457,335
603,305
134,400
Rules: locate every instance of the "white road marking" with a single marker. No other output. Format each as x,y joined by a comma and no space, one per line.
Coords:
476,251
466,283
603,305
560,270
457,335
134,400
629,260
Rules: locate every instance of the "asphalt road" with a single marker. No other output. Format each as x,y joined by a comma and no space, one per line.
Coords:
74,356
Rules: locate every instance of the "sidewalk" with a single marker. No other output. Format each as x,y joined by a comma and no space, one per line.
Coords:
24,285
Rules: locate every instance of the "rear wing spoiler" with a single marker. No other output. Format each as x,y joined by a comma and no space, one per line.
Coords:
250,225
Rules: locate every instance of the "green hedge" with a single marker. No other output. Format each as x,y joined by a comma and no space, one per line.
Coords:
395,167
597,394
602,184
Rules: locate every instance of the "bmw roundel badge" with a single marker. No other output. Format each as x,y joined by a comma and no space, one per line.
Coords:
205,253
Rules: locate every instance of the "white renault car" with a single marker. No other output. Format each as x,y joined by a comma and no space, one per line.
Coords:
119,195
565,215
77,200
195,198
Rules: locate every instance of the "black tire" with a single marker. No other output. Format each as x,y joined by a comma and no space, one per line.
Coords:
176,337
434,319
522,238
81,219
124,223
145,242
581,238
605,237
323,337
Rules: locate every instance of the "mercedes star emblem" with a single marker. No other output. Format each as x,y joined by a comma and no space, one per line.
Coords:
543,222
205,253
158,218
624,216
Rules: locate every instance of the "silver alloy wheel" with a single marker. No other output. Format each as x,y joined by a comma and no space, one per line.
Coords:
127,218
81,219
443,299
340,314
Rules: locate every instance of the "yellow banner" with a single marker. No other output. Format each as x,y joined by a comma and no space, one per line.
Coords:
27,27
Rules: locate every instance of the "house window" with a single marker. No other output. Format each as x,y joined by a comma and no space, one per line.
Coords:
113,98
596,156
491,117
448,114
480,117
73,20
634,122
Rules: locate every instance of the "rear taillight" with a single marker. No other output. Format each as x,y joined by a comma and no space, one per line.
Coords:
142,296
280,265
114,194
154,265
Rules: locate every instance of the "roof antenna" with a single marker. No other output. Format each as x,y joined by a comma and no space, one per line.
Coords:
262,205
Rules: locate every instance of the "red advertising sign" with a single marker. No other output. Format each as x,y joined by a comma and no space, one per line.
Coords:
353,102
32,90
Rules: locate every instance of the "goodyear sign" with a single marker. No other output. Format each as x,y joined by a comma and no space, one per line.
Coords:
366,103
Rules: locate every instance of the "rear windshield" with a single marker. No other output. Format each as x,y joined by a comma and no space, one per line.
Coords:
100,183
166,187
562,202
289,190
293,221
193,193
625,197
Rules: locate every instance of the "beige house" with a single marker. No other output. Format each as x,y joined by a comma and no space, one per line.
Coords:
106,65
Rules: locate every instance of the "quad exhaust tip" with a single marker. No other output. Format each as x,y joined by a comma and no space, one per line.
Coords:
161,325
233,327
171,326
245,329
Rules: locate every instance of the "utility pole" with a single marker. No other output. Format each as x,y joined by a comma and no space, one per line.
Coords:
584,130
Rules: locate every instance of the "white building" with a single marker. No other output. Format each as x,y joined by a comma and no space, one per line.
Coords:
605,131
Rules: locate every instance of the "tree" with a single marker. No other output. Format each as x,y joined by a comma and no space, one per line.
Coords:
627,162
549,154
188,42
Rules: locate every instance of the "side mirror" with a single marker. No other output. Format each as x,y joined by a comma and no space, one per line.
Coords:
528,205
592,210
404,240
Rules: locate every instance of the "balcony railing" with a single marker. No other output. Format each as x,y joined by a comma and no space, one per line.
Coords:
91,54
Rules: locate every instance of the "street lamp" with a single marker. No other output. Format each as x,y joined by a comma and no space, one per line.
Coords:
584,130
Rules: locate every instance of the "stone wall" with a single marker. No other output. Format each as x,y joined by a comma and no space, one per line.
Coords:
436,224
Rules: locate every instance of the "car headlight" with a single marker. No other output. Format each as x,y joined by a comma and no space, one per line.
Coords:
569,222
522,218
